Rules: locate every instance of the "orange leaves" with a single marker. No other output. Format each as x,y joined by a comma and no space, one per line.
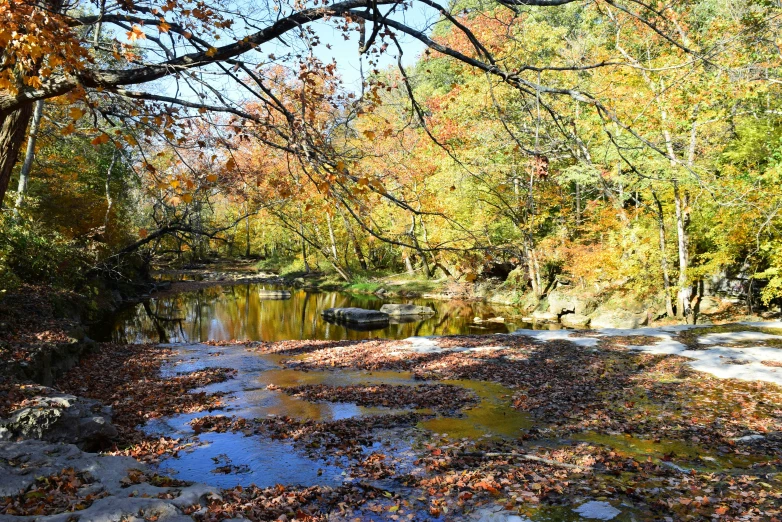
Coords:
35,42
143,233
100,139
136,33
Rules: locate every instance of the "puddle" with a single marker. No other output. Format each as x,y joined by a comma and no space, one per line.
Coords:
494,416
678,453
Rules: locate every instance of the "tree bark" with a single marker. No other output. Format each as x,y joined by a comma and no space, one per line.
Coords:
29,156
356,246
681,200
664,257
13,127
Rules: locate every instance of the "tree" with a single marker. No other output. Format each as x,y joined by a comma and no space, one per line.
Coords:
48,53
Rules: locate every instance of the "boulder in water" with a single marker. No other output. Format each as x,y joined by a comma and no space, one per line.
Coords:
356,316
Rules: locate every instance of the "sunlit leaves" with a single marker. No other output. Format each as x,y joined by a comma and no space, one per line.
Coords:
136,33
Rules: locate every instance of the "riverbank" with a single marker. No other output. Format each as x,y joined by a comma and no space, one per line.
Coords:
563,306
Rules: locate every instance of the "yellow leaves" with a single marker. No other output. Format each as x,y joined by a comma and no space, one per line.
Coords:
211,178
33,81
68,130
230,164
143,233
363,182
370,135
187,198
211,52
136,33
340,166
75,113
163,26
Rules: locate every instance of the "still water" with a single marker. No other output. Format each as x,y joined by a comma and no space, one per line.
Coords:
242,312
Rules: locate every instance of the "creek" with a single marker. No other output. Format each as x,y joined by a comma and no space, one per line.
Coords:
245,312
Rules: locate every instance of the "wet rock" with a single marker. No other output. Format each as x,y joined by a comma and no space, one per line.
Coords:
597,510
59,417
23,462
398,310
575,320
355,316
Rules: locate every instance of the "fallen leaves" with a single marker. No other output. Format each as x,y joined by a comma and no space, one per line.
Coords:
63,492
441,397
127,377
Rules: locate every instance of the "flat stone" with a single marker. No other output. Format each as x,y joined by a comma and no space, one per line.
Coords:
621,320
398,310
24,461
355,315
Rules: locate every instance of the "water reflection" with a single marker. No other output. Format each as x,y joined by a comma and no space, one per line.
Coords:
246,312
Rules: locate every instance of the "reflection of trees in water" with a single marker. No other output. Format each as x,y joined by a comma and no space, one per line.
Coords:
239,312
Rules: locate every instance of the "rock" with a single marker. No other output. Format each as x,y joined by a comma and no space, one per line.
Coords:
25,461
274,294
495,320
477,320
618,319
709,305
398,310
381,291
60,418
749,438
540,317
356,316
575,320
560,303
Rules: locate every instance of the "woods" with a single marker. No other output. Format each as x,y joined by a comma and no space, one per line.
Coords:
623,146
484,260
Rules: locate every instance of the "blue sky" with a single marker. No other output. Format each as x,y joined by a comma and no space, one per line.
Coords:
346,52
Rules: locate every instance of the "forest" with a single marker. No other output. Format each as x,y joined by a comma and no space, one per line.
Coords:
209,180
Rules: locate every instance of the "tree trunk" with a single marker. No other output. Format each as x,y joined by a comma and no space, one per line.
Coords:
29,156
332,239
684,293
424,263
664,258
13,127
109,201
532,267
356,247
408,264
247,233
